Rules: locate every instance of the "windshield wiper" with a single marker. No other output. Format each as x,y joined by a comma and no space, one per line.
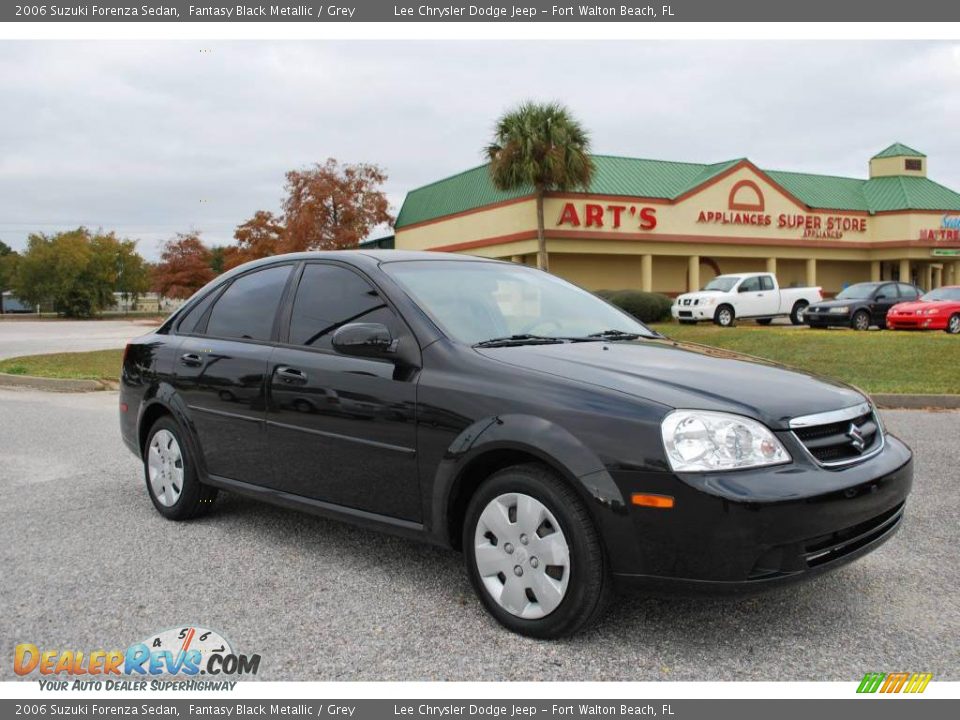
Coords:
521,339
614,335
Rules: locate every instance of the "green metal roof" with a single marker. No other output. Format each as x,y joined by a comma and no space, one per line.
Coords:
898,150
636,177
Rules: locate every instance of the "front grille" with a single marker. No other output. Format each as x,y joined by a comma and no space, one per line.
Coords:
841,442
686,313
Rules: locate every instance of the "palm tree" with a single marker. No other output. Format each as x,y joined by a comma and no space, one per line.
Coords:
543,146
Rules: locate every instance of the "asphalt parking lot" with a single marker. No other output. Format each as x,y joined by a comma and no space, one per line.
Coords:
35,337
87,563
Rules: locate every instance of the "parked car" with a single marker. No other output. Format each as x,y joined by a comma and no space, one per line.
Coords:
755,296
861,306
554,439
937,310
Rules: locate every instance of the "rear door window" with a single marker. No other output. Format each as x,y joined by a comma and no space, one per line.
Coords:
766,282
907,292
247,309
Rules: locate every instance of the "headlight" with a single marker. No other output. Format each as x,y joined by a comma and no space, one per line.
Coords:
931,311
708,301
842,310
702,441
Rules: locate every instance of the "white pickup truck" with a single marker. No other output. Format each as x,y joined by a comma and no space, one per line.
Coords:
757,296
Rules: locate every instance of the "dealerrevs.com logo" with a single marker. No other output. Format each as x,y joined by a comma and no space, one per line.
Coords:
898,682
185,652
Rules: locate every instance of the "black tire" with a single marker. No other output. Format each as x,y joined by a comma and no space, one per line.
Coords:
725,316
195,498
953,325
860,320
589,584
764,321
796,314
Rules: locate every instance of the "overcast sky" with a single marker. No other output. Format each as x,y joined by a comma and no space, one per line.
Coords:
151,138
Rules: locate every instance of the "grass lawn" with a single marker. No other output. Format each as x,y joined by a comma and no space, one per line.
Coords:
96,365
875,361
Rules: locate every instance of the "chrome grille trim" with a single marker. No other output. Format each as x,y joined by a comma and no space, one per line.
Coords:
833,416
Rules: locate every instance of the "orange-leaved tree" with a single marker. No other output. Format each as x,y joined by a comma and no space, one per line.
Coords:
333,206
260,236
184,266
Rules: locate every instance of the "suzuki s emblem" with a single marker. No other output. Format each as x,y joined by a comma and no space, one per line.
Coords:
856,438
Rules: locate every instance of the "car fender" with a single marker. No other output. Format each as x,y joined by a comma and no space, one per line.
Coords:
553,445
164,394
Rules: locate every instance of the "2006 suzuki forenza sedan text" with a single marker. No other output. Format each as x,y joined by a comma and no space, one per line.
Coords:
497,409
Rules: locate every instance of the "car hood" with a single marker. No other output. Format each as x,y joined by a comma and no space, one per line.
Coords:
683,375
913,306
700,295
835,303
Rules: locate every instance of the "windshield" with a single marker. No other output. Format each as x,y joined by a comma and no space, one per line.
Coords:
723,283
946,293
477,301
860,291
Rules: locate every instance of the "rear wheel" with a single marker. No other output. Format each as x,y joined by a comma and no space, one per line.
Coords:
533,553
724,316
171,474
860,320
953,324
796,314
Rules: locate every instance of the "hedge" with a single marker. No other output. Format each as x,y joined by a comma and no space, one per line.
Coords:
645,306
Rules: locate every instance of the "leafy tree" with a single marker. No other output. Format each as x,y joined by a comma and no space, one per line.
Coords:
78,271
260,236
8,267
540,146
218,258
184,266
333,206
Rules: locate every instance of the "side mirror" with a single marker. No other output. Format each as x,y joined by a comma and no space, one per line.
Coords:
371,340
881,296
743,289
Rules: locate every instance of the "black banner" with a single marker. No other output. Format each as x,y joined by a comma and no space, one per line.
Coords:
483,11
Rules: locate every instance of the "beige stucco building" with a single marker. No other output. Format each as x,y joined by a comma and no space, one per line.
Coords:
670,227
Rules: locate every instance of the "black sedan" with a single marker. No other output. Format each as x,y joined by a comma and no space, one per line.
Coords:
860,306
498,410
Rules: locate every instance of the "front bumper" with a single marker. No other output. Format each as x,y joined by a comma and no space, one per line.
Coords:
916,322
826,319
690,313
751,530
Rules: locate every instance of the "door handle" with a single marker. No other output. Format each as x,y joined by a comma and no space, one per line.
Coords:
191,360
291,375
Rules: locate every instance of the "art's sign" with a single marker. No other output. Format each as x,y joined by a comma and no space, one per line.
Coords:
609,216
949,230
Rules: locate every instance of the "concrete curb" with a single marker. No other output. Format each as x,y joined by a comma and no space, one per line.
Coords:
64,385
891,401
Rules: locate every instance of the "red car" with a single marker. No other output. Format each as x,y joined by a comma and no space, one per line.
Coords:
937,310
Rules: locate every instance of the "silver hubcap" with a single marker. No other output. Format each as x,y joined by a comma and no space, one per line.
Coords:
165,468
862,322
725,317
522,556
955,324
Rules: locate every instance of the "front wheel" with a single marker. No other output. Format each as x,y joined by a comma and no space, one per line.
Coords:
953,324
534,555
171,475
724,316
796,314
861,320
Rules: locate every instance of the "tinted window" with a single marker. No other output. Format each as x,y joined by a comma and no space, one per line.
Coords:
766,282
247,308
329,297
889,292
907,291
751,284
189,322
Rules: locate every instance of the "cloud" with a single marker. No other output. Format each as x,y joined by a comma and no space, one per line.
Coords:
150,138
